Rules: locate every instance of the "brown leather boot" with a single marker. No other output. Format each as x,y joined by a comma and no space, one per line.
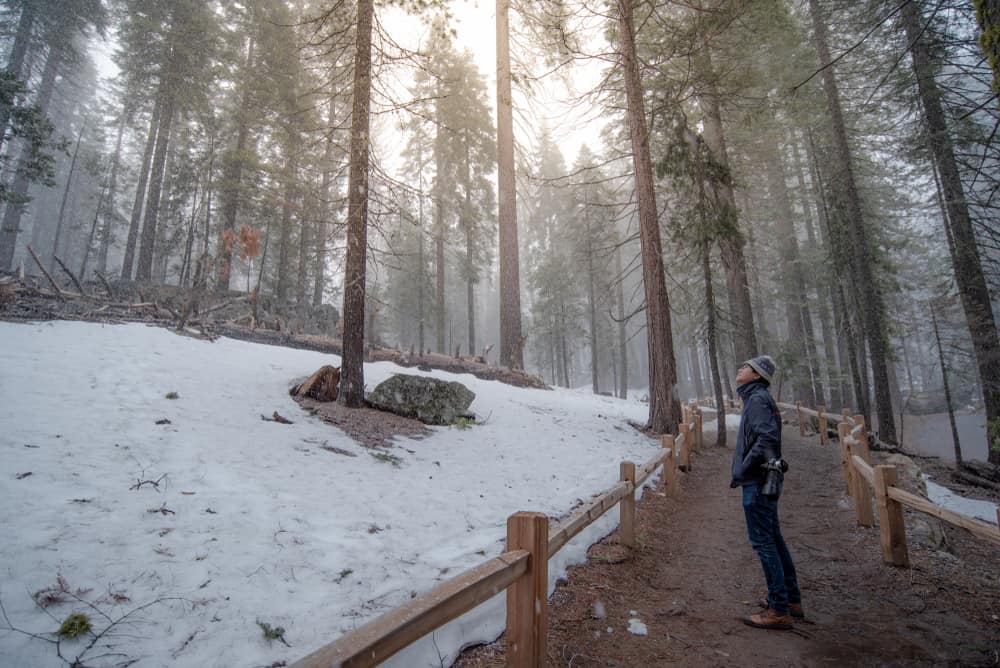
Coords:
769,619
794,609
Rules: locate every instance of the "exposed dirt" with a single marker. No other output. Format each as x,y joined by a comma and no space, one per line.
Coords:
367,426
694,576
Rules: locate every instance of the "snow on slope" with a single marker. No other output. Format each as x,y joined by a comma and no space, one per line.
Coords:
253,520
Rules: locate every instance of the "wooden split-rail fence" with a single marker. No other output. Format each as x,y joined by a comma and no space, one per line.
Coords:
522,570
863,480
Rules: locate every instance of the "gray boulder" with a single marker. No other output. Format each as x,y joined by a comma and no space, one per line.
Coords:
430,400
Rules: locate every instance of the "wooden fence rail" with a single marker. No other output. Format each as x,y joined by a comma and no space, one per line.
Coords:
522,570
863,481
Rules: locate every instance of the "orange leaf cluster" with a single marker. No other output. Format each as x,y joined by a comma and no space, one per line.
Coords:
250,242
228,241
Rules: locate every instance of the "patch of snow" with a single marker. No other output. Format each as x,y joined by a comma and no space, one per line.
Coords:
637,627
255,521
944,497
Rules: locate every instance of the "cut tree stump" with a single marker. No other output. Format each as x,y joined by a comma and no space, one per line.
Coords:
321,386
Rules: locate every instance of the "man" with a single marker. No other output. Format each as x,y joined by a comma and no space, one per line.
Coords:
758,442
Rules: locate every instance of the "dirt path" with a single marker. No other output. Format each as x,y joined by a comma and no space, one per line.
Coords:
694,576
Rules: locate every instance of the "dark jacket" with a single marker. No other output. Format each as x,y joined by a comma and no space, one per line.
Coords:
759,437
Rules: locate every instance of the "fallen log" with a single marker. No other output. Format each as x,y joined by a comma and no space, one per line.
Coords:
52,282
69,273
973,479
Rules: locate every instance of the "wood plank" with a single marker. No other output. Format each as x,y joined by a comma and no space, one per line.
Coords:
798,417
643,473
821,415
669,464
861,491
980,528
865,469
528,596
860,432
626,521
380,638
684,447
843,429
892,529
585,516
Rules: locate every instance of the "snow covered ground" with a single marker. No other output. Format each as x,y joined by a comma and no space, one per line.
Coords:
252,521
984,510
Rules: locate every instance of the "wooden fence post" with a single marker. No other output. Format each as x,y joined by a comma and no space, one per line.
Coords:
822,424
892,530
698,429
527,598
843,429
670,465
862,438
626,531
858,488
685,453
798,413
846,412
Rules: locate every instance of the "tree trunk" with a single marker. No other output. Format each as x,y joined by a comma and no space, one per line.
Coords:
19,189
988,15
622,338
870,296
825,358
17,53
128,260
694,361
947,390
731,243
511,341
109,207
791,270
187,260
439,305
352,376
842,394
968,268
233,172
713,353
93,233
563,347
664,411
144,266
285,229
65,197
470,281
324,225
420,268
592,311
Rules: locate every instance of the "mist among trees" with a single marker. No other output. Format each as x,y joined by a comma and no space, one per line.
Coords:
812,179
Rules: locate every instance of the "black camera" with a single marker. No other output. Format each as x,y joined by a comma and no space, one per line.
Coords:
774,475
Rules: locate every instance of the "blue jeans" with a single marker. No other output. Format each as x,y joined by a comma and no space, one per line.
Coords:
765,537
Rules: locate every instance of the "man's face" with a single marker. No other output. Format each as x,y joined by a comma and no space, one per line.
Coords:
745,374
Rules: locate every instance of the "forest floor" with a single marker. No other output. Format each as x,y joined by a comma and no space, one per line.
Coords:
694,576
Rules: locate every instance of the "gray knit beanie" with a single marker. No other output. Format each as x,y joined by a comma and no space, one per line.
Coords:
763,365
